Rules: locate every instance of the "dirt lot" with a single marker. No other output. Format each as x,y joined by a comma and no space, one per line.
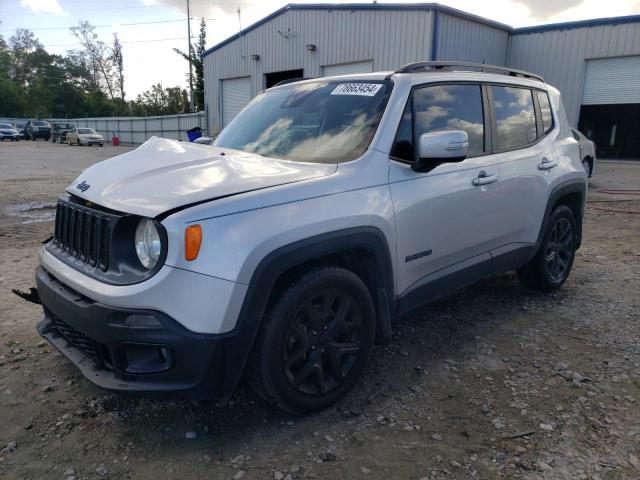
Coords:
493,382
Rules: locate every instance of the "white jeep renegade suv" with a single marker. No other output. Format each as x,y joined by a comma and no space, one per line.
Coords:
323,211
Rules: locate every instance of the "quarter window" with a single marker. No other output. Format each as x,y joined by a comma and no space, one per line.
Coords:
515,117
403,143
545,110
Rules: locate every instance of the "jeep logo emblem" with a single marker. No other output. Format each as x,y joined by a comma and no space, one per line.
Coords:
83,186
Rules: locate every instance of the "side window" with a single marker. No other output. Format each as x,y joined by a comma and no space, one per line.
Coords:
545,110
515,117
451,107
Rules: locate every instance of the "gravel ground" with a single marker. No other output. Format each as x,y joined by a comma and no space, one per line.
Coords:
495,381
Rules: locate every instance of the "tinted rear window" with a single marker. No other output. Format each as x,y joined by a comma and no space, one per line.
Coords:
515,117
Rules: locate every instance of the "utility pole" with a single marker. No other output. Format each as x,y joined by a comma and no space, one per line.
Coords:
190,58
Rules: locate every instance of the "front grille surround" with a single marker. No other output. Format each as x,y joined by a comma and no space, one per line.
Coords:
100,242
84,234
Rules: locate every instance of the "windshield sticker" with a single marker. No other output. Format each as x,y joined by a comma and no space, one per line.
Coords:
363,89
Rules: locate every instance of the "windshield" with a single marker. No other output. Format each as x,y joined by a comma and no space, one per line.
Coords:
322,122
6,126
86,130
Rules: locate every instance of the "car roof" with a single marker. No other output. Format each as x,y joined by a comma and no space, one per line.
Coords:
433,76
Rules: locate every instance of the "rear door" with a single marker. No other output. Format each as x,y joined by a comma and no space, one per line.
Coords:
522,119
446,220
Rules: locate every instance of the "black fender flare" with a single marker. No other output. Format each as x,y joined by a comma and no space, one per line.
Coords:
559,191
239,342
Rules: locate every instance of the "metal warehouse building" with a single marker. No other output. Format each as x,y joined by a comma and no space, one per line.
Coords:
595,63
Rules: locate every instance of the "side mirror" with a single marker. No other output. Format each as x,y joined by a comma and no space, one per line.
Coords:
204,140
441,147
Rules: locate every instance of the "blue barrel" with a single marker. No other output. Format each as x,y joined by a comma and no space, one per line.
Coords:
192,135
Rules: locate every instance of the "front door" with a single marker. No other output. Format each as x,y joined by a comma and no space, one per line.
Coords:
447,219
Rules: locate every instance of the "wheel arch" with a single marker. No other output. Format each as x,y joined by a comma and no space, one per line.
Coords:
571,193
362,249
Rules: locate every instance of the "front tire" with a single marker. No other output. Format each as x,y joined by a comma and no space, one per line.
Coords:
551,266
315,341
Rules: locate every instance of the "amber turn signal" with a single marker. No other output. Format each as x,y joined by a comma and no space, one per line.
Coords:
192,241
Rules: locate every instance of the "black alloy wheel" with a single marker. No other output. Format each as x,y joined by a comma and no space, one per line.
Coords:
551,265
315,341
322,342
559,250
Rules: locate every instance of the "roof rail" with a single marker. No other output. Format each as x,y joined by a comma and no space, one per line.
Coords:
290,80
466,66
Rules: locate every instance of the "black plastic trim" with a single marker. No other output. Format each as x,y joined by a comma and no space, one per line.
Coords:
566,188
445,281
201,363
297,253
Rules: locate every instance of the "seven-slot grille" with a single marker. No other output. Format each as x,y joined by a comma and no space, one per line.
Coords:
83,233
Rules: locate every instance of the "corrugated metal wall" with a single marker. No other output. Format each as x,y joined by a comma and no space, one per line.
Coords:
465,40
560,55
389,38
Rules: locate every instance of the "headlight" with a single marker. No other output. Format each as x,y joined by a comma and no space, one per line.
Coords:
148,244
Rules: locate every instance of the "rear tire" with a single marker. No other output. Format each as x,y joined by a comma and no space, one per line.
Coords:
551,266
314,342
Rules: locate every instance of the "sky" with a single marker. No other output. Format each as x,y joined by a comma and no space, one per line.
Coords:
161,25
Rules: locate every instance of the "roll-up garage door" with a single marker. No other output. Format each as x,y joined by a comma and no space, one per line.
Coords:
347,68
611,81
236,93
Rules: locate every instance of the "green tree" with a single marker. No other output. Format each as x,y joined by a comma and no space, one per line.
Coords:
83,82
160,101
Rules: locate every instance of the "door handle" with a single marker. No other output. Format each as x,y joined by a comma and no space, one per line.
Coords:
484,179
547,164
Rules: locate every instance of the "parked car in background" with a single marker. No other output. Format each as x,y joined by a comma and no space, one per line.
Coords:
324,211
60,131
9,132
37,129
84,136
20,126
587,151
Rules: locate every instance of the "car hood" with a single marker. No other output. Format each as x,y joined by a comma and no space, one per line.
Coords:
162,175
